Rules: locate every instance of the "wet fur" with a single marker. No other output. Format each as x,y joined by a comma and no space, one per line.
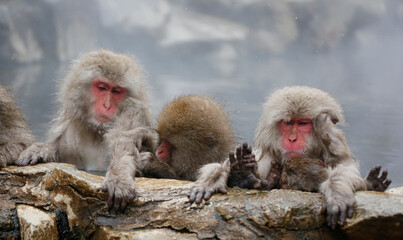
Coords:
14,133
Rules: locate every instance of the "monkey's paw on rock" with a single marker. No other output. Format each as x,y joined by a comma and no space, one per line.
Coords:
72,200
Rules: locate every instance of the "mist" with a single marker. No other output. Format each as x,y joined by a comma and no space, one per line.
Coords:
235,51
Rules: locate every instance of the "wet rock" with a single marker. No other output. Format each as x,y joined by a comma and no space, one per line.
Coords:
377,216
162,211
105,233
396,191
36,224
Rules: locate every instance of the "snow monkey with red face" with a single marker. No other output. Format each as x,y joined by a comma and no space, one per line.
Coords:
298,126
103,106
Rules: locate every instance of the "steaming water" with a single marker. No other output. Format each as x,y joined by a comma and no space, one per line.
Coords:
240,53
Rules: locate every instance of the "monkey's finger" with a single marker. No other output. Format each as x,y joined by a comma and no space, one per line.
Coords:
244,149
232,159
238,153
117,202
33,161
350,210
110,200
343,212
335,216
199,197
374,172
249,150
384,175
124,203
387,183
207,195
250,157
324,208
131,196
250,165
23,162
222,190
192,195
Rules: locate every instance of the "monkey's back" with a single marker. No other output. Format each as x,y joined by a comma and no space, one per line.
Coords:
11,117
200,130
303,174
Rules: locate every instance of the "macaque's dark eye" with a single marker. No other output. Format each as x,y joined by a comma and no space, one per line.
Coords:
289,122
302,123
117,91
102,87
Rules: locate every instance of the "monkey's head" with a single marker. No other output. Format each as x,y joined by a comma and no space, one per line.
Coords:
99,85
287,125
194,130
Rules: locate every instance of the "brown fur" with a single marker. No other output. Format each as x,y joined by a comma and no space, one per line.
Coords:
200,131
303,174
14,133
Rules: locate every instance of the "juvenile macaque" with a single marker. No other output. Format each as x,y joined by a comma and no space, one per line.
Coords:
300,123
103,106
194,135
14,133
299,173
305,174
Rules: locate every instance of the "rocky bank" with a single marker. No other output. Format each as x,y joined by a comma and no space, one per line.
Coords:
57,201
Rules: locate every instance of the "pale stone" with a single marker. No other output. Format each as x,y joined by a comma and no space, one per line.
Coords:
105,233
396,191
36,224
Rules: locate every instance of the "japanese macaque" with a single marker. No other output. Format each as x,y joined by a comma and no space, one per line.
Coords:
14,133
299,173
103,107
299,123
194,136
305,174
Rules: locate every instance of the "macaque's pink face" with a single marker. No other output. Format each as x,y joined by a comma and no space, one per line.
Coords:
164,151
294,135
107,98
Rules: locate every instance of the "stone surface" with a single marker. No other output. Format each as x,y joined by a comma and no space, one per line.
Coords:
36,224
396,191
162,211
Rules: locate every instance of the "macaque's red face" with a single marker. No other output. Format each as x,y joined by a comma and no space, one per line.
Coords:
164,151
294,135
107,98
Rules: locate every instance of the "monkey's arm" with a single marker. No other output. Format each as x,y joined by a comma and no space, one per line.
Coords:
343,175
212,178
376,183
45,151
12,143
120,177
9,152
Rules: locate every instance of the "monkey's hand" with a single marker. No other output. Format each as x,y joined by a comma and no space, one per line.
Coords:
36,153
243,168
338,207
274,177
376,183
119,183
212,179
332,137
